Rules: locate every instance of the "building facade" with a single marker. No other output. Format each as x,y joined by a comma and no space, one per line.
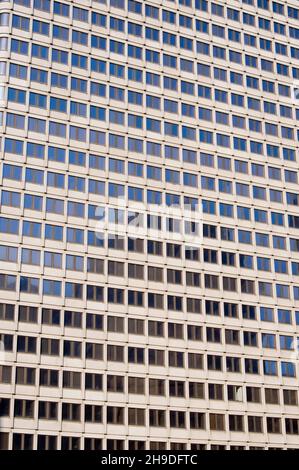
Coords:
149,224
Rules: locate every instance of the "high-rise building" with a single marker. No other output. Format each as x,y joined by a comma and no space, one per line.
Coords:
149,224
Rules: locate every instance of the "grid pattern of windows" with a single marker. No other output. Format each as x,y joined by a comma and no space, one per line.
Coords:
110,107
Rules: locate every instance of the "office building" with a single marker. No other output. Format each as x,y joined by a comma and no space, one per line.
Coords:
149,226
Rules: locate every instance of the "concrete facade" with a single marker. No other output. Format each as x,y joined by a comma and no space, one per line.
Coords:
149,224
